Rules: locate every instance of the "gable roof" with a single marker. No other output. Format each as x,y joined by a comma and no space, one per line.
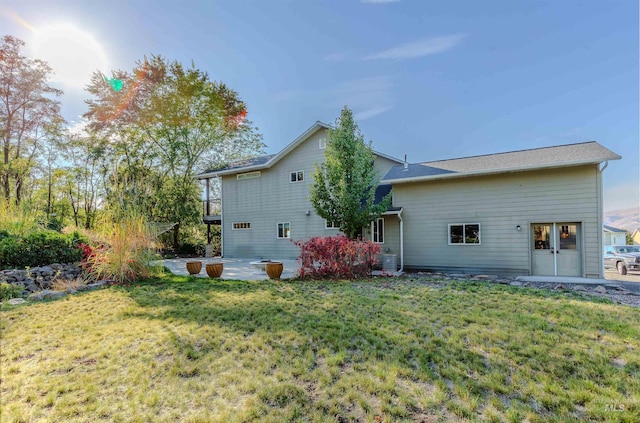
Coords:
516,161
607,228
265,162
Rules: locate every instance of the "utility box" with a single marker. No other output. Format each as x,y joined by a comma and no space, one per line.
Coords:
390,262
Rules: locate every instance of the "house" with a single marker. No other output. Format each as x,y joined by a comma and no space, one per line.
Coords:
264,202
635,237
613,236
529,212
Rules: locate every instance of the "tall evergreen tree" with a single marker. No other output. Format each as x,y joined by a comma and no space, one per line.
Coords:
345,184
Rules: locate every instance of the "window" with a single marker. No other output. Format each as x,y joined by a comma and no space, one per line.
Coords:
322,143
241,225
464,233
330,225
297,176
284,230
377,231
248,175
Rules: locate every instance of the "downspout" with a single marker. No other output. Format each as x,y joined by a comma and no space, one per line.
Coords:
401,242
600,216
221,217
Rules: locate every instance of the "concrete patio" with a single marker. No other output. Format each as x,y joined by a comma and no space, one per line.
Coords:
234,268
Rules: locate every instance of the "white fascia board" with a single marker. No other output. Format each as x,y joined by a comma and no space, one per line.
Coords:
232,171
393,212
386,156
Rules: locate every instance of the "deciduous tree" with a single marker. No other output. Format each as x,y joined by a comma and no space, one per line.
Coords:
182,121
344,188
29,114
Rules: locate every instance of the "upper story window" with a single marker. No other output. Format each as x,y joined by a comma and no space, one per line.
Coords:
377,231
248,175
322,143
297,176
241,225
284,230
464,233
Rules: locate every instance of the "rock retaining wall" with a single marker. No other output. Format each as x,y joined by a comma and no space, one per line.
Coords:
38,279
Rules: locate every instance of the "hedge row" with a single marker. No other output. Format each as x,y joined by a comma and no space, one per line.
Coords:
38,249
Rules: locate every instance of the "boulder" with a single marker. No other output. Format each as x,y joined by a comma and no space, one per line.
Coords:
16,301
600,289
52,294
36,296
96,285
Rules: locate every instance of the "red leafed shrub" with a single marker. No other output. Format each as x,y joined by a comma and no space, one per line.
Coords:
336,257
87,252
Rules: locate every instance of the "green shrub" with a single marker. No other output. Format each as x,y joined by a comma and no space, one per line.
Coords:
38,249
9,291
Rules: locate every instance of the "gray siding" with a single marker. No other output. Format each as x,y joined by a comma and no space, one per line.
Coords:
499,203
272,199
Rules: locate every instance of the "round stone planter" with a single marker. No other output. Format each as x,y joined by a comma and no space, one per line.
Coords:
274,269
194,267
214,270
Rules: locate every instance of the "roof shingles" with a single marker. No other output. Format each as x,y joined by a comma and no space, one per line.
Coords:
539,158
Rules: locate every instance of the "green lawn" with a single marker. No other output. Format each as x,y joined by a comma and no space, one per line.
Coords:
194,350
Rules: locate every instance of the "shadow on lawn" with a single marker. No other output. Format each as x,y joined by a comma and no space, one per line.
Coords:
358,322
422,336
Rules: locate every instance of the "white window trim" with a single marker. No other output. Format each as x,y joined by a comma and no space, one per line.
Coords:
463,231
278,230
248,175
233,226
326,225
374,225
322,143
296,172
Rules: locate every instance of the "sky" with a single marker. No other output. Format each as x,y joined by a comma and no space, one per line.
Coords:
431,80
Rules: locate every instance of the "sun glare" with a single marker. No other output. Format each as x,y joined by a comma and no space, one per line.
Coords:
72,53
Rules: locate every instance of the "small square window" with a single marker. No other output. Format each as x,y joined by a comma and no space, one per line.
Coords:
297,176
330,225
284,230
322,143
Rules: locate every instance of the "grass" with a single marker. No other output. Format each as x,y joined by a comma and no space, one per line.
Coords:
188,349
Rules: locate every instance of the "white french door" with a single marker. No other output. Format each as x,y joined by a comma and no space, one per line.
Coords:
556,249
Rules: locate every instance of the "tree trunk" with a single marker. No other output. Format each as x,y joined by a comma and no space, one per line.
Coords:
5,185
18,190
176,237
5,174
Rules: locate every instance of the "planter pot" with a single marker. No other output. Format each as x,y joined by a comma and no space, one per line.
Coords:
194,267
274,269
214,270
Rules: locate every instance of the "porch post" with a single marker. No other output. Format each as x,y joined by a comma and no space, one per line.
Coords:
208,201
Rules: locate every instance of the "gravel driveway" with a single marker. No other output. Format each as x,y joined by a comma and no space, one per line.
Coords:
612,275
